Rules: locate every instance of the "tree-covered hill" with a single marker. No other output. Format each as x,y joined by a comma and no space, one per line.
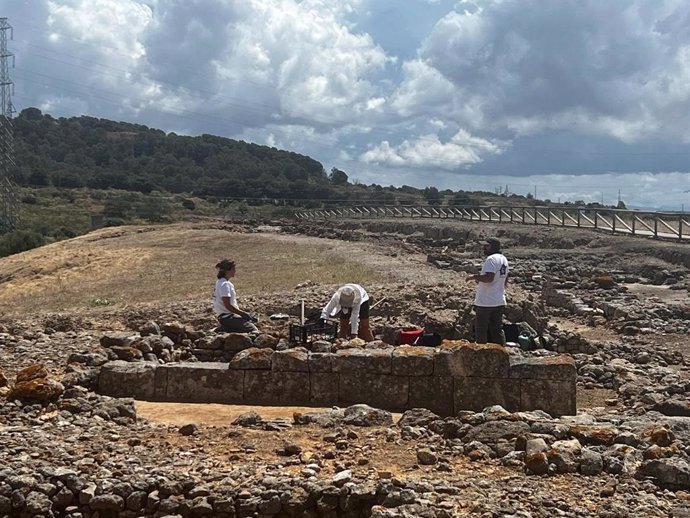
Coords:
89,152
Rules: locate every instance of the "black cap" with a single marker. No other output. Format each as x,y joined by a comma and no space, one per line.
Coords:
494,243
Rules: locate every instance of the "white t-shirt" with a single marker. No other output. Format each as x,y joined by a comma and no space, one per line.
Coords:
493,294
333,306
224,288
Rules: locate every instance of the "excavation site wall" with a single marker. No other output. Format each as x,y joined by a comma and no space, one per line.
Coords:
456,376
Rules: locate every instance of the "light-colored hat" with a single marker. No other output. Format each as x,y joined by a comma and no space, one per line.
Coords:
347,297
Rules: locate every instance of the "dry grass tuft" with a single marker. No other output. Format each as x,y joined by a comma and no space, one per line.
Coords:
129,265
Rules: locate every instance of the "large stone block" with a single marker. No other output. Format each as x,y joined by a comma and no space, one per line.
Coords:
466,359
413,361
380,391
372,361
203,382
276,388
324,388
432,392
291,360
252,358
235,342
561,367
160,385
128,379
321,362
478,393
552,396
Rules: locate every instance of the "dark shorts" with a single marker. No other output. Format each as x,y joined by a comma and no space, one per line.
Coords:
363,312
235,324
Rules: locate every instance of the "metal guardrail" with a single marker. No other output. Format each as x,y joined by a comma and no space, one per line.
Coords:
666,225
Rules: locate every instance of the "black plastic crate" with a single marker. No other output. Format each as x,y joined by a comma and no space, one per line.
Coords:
301,333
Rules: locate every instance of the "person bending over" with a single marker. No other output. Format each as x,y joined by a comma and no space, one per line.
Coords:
350,303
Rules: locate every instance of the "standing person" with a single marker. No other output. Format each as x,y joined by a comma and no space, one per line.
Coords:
231,318
490,300
351,304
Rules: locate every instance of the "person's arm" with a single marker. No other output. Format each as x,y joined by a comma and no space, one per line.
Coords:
482,277
233,309
330,308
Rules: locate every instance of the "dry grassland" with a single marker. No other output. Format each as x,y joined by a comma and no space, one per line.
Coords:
128,265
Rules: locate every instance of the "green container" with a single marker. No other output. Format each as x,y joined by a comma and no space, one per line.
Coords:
525,342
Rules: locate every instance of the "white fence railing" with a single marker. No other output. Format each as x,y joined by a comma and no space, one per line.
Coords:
668,225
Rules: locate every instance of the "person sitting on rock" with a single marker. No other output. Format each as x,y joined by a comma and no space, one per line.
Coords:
350,303
231,318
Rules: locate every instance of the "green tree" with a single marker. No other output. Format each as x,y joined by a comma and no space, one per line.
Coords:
433,197
338,177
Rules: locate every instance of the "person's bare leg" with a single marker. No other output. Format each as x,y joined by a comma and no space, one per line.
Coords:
365,331
344,328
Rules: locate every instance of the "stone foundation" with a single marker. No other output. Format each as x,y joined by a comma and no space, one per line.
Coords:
456,376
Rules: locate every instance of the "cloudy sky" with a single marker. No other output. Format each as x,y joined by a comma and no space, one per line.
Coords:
574,99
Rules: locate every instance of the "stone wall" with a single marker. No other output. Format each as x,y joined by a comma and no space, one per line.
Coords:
456,376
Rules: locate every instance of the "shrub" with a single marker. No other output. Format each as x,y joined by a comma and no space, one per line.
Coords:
19,241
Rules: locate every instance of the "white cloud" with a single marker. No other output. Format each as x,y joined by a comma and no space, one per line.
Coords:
428,151
112,26
612,68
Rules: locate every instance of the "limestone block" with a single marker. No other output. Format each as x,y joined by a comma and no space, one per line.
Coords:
324,388
465,359
291,360
371,361
127,379
413,361
321,362
276,388
160,384
478,393
561,367
252,358
203,382
552,396
380,391
432,392
237,342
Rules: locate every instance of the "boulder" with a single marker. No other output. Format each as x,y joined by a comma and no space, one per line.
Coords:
417,417
364,415
32,372
237,342
673,472
39,389
266,341
492,431
117,338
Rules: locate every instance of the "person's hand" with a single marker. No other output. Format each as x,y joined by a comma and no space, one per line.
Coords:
470,278
250,318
